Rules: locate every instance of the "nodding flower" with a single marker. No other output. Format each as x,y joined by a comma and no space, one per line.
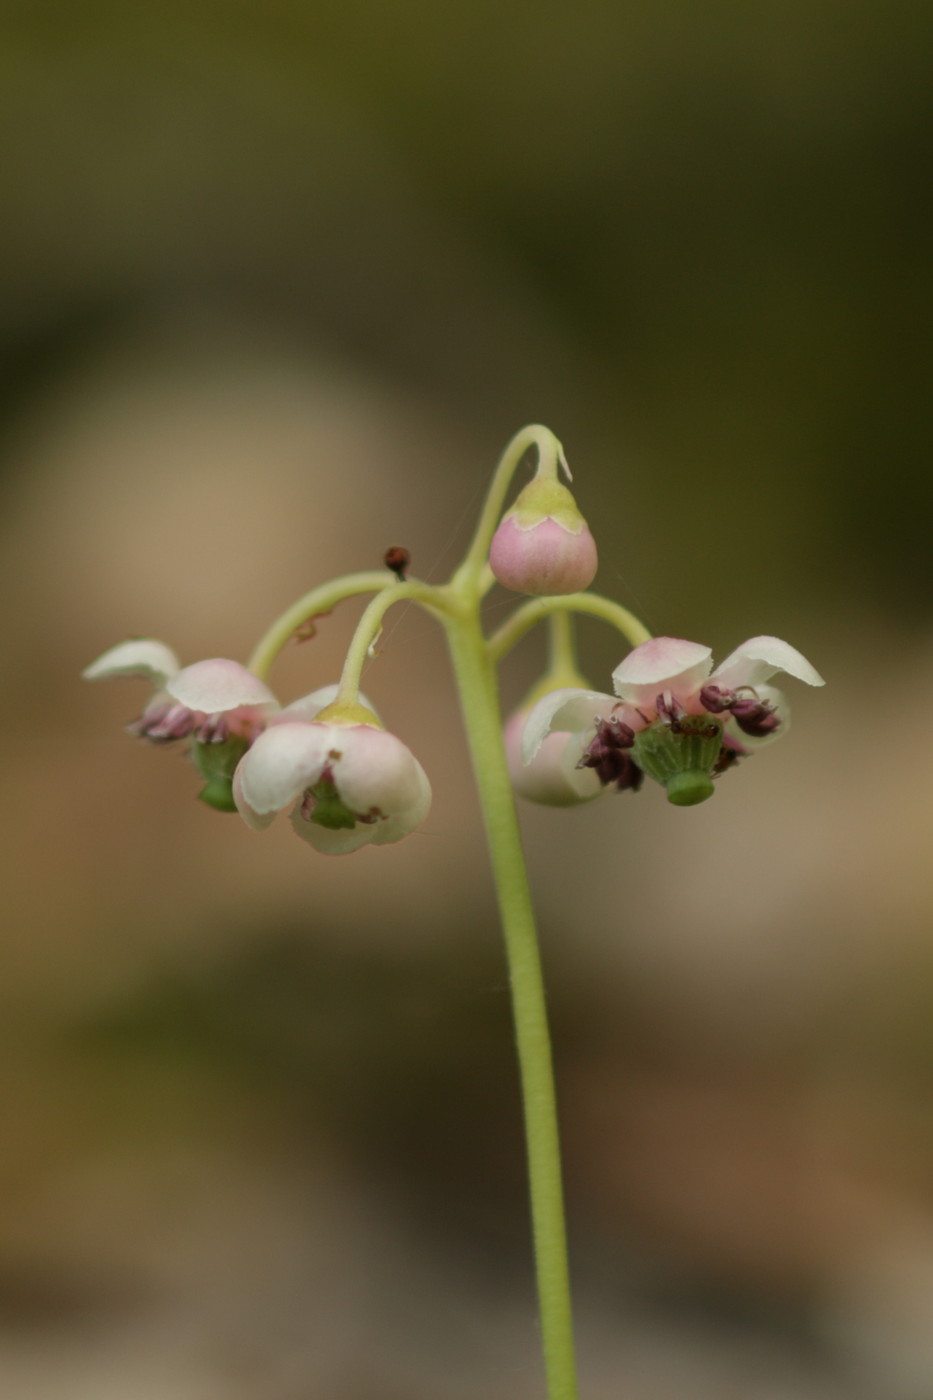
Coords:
218,705
672,716
348,781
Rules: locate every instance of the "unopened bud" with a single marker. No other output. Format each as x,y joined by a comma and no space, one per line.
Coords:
543,545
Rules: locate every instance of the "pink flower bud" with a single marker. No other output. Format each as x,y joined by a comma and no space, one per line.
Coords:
543,559
543,545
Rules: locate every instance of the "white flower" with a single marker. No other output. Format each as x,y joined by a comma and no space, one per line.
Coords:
211,700
218,705
672,716
349,784
554,776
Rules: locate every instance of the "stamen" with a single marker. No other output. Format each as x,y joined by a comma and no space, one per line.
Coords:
669,710
715,699
755,717
214,730
163,723
607,753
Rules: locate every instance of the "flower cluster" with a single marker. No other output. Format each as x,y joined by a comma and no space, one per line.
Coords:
671,717
349,783
352,783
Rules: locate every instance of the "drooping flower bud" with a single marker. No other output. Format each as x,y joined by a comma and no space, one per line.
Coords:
543,545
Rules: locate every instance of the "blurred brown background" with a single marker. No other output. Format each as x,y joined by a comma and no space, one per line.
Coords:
279,281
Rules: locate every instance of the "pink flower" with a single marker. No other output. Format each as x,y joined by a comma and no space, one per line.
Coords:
349,784
672,716
218,704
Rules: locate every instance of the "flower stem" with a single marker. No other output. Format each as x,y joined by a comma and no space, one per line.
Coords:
430,596
314,604
562,653
479,699
529,614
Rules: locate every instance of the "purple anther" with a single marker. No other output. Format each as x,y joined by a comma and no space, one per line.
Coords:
754,717
607,753
161,724
715,699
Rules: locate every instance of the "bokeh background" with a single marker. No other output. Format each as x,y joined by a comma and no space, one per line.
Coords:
279,280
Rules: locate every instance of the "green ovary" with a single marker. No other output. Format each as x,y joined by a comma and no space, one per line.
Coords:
681,756
329,810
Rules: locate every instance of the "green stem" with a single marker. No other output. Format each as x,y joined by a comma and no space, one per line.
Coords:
562,653
314,604
476,679
430,596
533,612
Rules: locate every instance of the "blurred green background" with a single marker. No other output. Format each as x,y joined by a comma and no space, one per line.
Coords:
278,283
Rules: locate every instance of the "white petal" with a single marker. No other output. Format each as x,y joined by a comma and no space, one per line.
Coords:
758,659
285,759
552,777
140,657
373,769
309,706
257,821
217,685
662,663
403,823
565,710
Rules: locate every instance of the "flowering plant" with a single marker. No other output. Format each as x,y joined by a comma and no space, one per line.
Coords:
350,783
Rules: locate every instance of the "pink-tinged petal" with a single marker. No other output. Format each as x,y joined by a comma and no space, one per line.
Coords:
662,664
544,558
373,770
310,706
285,759
217,685
256,821
760,658
141,657
552,777
565,710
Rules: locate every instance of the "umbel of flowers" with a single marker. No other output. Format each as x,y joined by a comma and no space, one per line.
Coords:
347,782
